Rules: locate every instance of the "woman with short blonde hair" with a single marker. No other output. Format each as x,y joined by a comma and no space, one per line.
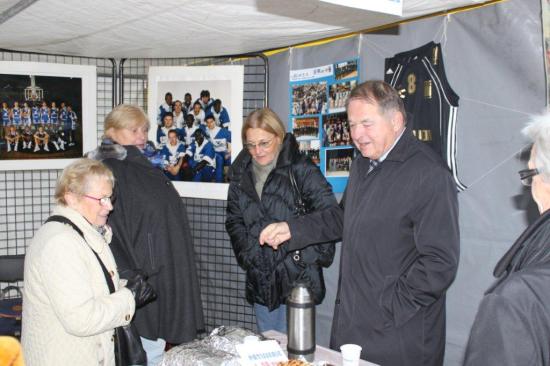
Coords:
151,233
261,190
69,311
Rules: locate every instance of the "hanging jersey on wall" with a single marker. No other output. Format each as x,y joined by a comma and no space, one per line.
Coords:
431,104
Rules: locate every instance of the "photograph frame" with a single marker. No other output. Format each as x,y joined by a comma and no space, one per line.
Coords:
88,76
234,74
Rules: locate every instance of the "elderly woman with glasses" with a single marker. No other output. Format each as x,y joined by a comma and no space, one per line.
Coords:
512,326
69,310
260,192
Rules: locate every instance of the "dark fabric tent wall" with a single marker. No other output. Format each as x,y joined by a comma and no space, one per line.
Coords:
494,61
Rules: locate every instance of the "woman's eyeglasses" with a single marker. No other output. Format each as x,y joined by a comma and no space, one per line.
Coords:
526,176
103,201
262,145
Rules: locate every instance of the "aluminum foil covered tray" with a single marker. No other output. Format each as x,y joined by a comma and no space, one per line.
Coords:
217,349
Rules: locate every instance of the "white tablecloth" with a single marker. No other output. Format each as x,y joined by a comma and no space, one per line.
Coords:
321,353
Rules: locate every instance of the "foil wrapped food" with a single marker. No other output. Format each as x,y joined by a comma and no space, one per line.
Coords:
216,349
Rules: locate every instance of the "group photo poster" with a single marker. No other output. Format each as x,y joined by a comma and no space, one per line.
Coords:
318,117
47,114
196,118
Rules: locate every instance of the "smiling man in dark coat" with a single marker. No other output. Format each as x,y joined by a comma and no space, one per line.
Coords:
398,221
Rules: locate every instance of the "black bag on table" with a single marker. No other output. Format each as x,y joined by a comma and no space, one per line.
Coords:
10,313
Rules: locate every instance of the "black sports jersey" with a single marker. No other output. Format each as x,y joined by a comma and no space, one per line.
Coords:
431,104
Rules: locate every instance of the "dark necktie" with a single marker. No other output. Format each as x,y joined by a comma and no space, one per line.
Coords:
373,164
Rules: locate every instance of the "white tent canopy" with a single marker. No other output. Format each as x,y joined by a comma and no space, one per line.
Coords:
184,28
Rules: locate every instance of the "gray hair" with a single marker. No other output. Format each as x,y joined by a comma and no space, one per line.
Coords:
538,131
381,93
76,178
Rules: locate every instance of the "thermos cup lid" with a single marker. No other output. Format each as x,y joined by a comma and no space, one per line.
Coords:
300,294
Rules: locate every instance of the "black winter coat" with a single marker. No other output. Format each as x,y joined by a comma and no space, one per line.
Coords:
400,250
270,274
151,233
512,326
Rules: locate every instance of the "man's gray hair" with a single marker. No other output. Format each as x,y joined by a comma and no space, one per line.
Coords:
538,131
381,93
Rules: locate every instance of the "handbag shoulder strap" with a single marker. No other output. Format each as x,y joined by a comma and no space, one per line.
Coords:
295,189
64,220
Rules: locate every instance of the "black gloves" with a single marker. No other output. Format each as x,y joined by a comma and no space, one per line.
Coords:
143,292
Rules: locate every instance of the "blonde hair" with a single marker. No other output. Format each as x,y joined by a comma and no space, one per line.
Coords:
265,119
125,116
77,177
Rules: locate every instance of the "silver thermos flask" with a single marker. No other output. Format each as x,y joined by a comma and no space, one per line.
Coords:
300,309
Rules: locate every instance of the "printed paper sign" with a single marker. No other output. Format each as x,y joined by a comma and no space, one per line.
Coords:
265,353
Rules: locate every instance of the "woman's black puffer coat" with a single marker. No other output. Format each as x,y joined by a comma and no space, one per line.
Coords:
270,274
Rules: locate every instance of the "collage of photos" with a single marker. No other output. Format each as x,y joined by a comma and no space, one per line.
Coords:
40,117
319,120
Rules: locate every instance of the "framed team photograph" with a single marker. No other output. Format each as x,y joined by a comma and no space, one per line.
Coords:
305,128
310,148
338,95
196,119
338,162
336,130
346,70
47,114
310,98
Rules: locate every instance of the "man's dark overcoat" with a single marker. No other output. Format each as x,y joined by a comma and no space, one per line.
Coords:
400,250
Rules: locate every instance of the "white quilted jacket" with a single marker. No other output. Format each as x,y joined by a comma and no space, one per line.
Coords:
69,315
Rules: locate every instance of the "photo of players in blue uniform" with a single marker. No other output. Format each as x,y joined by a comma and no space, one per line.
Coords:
41,121
196,147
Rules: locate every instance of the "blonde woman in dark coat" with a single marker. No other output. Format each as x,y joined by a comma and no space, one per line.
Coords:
151,234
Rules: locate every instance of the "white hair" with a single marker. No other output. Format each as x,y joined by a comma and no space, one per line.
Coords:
538,131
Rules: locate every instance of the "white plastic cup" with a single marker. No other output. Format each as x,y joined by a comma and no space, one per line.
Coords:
350,354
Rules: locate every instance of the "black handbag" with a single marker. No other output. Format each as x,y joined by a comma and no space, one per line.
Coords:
300,208
10,312
304,265
128,347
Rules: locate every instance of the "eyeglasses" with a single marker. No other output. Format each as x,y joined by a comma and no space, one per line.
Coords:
103,201
526,176
262,145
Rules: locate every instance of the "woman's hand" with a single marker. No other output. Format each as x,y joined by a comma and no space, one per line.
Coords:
275,234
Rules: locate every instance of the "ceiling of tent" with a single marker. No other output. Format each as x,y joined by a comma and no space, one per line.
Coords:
185,28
